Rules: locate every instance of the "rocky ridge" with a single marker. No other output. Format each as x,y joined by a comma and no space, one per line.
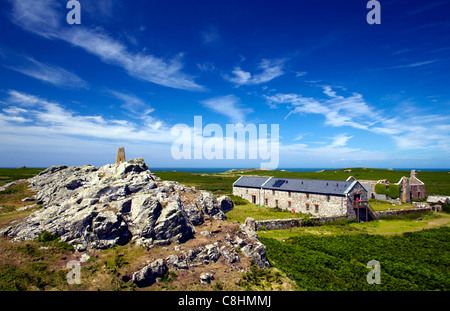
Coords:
94,208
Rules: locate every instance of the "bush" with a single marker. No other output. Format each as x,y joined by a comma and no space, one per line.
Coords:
393,192
238,200
308,222
380,189
46,237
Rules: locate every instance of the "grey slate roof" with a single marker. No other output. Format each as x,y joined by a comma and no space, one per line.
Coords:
332,187
250,181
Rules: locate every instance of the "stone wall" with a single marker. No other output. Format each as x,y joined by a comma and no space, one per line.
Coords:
247,194
403,211
276,224
307,203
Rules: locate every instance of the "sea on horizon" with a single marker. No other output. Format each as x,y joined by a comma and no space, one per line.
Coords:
289,169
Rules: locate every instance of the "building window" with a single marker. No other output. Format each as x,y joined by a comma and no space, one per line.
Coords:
273,192
246,191
266,201
307,206
328,198
307,195
289,204
316,207
276,203
289,194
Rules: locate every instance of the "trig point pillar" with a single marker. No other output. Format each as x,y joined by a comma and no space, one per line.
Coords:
120,155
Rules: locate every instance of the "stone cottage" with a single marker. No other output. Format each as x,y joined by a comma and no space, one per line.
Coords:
411,188
316,197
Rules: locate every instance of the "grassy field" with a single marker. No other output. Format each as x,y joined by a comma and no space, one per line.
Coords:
436,182
8,175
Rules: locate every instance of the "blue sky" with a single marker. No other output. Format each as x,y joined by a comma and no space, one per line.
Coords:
344,93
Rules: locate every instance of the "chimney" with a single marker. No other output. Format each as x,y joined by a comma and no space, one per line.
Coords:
413,173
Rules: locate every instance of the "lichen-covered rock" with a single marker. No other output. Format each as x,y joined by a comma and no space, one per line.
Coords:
98,207
148,275
173,224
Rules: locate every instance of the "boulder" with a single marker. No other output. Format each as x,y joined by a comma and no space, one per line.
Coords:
173,224
194,214
225,203
144,212
206,278
109,229
148,275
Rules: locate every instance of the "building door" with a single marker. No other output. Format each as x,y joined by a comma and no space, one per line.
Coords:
254,199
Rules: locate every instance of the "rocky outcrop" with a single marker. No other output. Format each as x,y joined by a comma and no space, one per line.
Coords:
98,207
95,208
148,275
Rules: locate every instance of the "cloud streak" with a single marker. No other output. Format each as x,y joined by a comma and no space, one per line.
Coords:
29,115
44,21
410,132
49,73
228,106
269,70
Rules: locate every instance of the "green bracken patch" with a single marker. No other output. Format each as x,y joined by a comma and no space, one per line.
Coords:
411,261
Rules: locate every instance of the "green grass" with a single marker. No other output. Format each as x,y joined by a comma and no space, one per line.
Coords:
378,205
411,261
8,175
216,183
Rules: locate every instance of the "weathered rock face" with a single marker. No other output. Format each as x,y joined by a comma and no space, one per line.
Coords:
148,275
98,207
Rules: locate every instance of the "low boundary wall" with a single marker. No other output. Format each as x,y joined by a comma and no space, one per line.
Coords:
276,224
403,211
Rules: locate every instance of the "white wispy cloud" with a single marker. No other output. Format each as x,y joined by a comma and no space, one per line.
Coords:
269,70
414,130
48,73
416,64
229,107
340,140
133,103
44,20
338,110
48,118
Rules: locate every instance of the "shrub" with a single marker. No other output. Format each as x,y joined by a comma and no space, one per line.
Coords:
308,222
393,192
380,189
238,200
46,236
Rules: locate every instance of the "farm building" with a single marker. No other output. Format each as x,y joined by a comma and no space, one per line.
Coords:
315,197
411,188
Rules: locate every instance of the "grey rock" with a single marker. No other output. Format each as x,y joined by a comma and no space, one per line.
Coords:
28,199
225,203
144,212
206,277
109,229
148,275
173,224
194,214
